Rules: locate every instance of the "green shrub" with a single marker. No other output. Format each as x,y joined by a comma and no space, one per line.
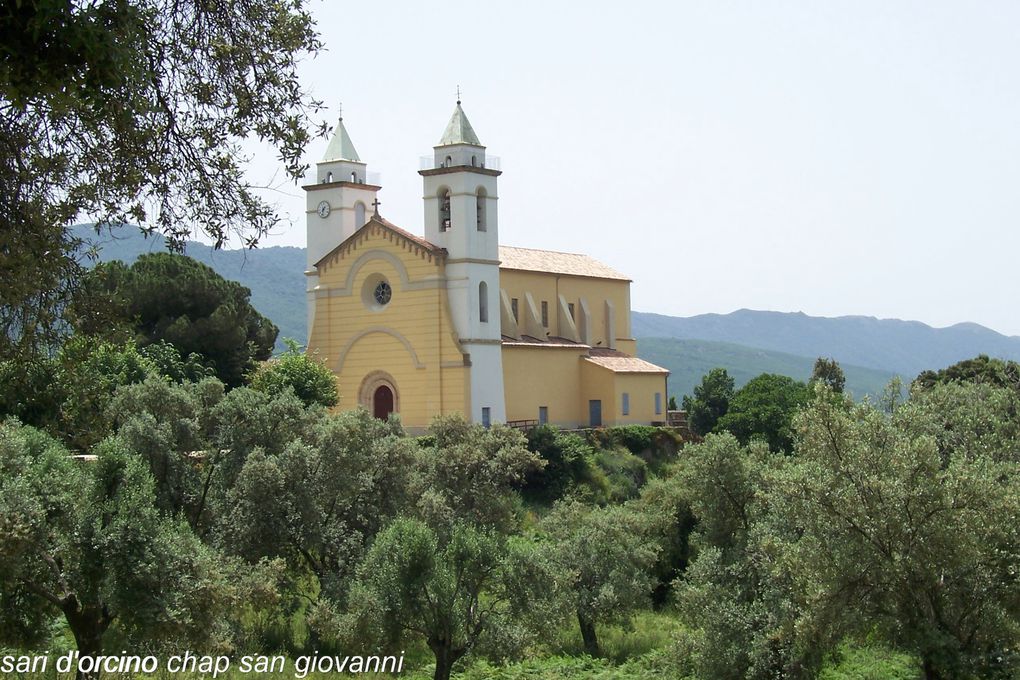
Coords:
568,463
626,473
870,663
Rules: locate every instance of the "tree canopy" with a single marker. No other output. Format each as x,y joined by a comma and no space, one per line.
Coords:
764,408
710,402
132,111
309,378
165,297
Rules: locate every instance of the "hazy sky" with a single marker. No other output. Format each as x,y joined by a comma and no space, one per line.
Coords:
826,157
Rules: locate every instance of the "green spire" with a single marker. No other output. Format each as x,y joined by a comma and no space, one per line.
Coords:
458,130
341,148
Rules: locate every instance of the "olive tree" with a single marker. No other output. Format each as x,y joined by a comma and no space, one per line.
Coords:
85,542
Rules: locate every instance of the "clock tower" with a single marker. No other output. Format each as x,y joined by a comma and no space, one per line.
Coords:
337,204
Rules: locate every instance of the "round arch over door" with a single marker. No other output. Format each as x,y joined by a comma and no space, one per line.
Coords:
379,395
382,402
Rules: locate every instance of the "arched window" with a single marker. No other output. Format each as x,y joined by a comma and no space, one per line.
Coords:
444,210
449,162
329,177
359,214
474,161
480,208
483,302
354,178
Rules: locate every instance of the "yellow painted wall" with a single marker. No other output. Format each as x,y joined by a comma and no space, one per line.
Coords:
544,376
411,338
598,383
601,383
545,286
642,388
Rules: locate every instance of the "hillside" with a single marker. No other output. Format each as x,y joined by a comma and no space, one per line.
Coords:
745,342
689,360
891,345
274,275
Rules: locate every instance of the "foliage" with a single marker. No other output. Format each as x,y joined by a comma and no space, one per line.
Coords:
980,369
169,427
735,610
169,363
449,588
900,534
602,563
132,111
667,520
321,500
869,663
710,402
764,408
828,372
69,394
307,376
88,544
568,463
624,472
469,474
178,300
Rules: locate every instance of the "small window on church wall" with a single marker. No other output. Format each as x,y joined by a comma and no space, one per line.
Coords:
513,308
354,178
480,209
474,161
329,177
359,214
483,302
626,404
570,308
545,313
448,162
543,415
444,210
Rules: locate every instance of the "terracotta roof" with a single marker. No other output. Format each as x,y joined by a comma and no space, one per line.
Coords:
625,364
571,264
551,341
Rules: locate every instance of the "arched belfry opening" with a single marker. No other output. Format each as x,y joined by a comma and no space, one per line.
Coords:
444,209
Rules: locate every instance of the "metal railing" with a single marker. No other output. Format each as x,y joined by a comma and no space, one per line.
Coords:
429,163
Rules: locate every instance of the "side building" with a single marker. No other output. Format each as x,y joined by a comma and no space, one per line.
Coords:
452,322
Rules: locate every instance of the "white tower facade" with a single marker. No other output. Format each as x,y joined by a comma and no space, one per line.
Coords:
337,205
460,215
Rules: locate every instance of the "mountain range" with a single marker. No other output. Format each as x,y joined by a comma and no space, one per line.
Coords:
745,342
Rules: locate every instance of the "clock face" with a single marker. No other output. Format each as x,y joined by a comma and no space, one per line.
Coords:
324,209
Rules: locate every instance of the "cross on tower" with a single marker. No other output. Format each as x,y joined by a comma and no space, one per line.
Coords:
376,203
341,108
458,94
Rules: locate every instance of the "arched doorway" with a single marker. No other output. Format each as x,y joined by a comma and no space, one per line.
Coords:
382,402
379,395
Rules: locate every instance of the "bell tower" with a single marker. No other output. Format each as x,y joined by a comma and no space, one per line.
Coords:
460,215
337,205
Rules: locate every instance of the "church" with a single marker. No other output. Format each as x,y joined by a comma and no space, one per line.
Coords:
454,322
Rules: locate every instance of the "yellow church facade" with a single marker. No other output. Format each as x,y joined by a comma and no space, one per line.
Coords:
453,322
